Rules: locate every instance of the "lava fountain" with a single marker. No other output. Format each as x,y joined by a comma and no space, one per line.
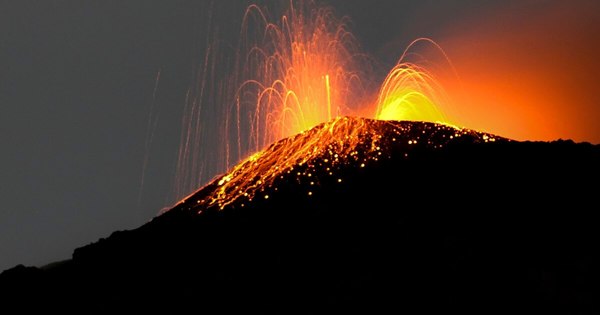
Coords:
296,72
411,92
288,75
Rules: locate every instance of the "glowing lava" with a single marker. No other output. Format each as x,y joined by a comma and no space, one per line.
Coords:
306,69
411,92
405,95
289,75
299,71
324,155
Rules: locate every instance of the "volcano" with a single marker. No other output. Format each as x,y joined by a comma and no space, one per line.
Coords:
355,215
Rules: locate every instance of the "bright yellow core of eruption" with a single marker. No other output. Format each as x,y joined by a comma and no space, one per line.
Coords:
407,94
411,92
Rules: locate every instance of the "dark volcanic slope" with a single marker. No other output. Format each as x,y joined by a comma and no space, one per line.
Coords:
325,155
456,220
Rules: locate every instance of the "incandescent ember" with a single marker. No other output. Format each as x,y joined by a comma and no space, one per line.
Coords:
316,156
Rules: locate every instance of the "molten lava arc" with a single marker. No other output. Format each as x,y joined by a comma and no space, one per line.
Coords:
289,75
300,70
411,92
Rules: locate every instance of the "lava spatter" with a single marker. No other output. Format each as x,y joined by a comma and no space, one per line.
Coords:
292,72
316,155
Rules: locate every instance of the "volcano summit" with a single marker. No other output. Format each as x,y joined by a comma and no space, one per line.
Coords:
325,154
356,215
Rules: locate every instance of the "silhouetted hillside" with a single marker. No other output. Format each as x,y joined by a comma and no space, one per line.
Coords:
407,216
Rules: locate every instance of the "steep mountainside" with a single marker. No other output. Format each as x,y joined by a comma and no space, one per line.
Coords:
356,215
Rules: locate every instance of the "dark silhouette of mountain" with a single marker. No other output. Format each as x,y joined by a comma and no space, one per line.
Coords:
357,216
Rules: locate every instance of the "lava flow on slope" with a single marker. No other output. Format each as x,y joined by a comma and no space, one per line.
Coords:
315,157
356,214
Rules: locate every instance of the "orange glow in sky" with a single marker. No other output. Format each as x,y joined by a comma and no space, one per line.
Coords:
525,71
528,74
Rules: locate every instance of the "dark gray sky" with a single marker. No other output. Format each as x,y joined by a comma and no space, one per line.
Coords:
76,90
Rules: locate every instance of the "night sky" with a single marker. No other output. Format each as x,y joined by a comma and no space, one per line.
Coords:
78,78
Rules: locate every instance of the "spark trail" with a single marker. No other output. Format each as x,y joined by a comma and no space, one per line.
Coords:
295,72
290,74
325,154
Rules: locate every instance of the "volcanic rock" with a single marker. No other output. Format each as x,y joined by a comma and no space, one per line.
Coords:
356,215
